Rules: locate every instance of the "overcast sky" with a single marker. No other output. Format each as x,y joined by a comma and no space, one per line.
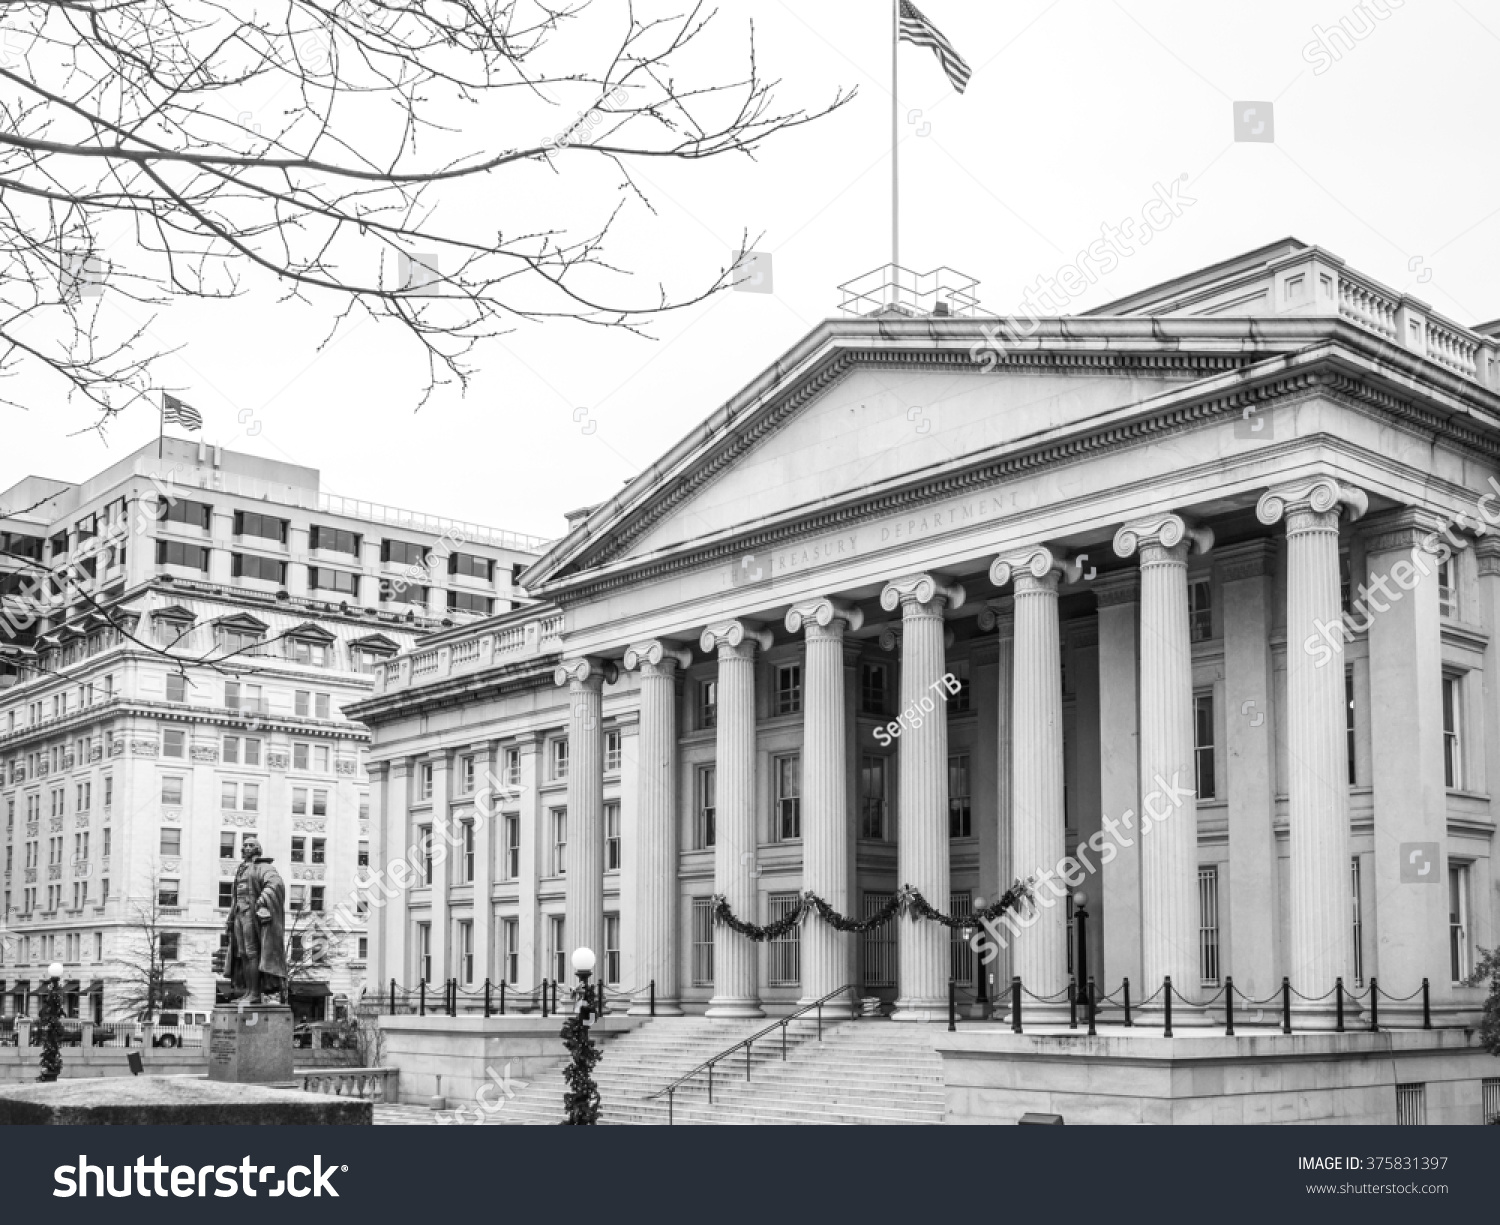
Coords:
1077,109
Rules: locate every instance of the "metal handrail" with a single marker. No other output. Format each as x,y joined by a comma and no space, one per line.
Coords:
747,1043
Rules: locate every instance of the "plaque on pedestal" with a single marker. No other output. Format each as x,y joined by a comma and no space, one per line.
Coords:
250,1044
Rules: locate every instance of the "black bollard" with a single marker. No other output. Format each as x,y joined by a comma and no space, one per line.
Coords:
422,998
1166,990
1128,1022
653,997
1015,1004
486,999
1072,1003
1374,1005
1338,1012
1229,1005
1286,1005
1426,1007
1093,1029
393,997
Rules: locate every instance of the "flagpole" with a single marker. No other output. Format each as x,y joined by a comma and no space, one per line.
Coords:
895,130
161,432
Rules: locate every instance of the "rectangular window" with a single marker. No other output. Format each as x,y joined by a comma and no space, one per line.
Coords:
166,893
557,946
266,569
512,847
466,854
612,837
466,951
708,704
559,752
1208,925
424,843
299,850
513,767
872,688
321,758
319,850
301,703
707,810
787,772
611,965
316,894
176,687
226,845
878,945
424,781
226,894
173,743
299,801
424,952
470,566
229,796
178,553
362,857
171,791
334,540
789,689
266,527
321,705
1411,1105
470,602
1453,758
1458,921
321,578
959,703
308,653
960,805
1203,745
703,942
1200,610
612,751
784,960
510,930
466,775
559,822
403,552
301,755
1448,588
180,510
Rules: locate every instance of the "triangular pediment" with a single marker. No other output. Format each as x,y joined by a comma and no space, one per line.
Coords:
241,622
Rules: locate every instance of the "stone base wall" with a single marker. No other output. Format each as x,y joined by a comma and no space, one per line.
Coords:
454,1057
1205,1078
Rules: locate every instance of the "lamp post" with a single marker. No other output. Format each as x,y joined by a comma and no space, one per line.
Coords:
581,1101
49,1014
1081,916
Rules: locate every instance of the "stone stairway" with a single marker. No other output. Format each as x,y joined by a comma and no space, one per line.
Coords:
871,1071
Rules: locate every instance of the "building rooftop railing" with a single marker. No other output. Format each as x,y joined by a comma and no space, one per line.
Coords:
892,288
518,635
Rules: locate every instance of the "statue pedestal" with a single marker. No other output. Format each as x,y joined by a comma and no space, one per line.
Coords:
250,1045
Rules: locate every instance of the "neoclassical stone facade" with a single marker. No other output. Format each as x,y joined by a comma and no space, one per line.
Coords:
1185,608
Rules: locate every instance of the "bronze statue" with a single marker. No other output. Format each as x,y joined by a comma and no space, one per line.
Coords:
256,962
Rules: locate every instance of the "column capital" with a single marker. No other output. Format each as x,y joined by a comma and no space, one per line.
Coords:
655,653
823,612
1038,560
1320,494
734,635
1408,528
999,616
1166,530
921,589
585,670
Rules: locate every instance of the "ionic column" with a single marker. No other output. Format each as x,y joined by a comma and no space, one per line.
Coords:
1000,619
652,857
585,855
736,993
825,792
1038,822
922,819
1317,760
1168,815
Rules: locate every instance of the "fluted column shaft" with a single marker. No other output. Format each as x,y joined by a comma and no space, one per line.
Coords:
653,858
825,813
584,888
1038,823
1168,820
922,830
1317,767
736,992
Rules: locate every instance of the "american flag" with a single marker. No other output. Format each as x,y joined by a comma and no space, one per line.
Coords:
185,415
915,28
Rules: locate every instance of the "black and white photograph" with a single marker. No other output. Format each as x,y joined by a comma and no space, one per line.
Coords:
674,564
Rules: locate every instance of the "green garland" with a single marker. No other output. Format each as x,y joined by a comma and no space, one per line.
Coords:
906,901
581,1101
49,1018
